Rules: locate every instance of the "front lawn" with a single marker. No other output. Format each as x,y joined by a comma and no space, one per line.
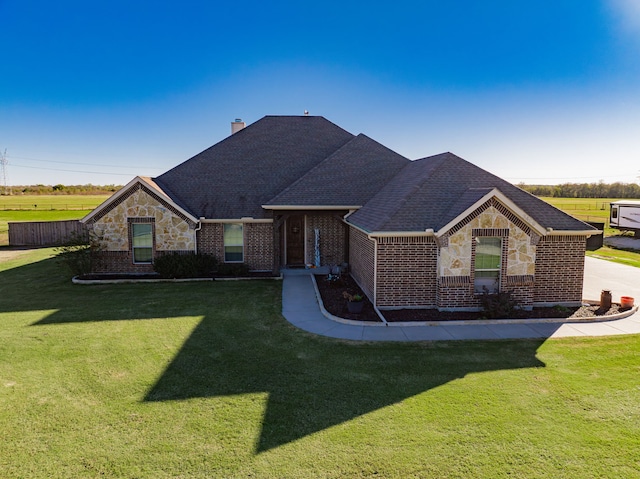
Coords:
208,380
617,255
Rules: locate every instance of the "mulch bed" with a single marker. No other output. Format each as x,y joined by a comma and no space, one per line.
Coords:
336,304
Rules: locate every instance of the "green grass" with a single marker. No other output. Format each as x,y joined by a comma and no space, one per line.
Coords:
51,202
586,209
208,380
622,256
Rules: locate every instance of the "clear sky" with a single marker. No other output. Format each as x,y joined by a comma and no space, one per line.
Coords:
536,91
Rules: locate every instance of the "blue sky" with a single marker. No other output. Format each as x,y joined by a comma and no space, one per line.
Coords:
541,92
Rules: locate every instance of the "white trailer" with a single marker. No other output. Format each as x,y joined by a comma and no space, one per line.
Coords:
625,215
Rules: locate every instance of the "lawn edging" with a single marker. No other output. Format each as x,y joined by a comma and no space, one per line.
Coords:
77,280
353,322
338,319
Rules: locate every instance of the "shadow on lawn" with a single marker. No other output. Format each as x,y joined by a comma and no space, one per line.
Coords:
322,382
313,383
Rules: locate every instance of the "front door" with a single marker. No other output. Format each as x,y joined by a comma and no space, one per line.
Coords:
295,240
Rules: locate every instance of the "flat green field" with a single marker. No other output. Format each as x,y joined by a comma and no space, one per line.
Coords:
204,380
586,209
44,208
597,210
51,202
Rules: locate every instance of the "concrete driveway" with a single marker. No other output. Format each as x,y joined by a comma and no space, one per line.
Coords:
620,279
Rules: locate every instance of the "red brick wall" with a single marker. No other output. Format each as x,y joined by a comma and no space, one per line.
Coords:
559,269
258,243
456,292
332,238
118,262
361,260
210,240
258,246
406,274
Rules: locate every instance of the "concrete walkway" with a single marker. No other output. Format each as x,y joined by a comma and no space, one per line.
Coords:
300,307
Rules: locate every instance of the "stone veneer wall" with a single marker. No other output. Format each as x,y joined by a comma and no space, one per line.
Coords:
560,269
457,256
406,273
361,260
258,243
332,238
172,231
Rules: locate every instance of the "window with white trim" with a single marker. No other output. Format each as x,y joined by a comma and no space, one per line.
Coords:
487,264
233,243
142,242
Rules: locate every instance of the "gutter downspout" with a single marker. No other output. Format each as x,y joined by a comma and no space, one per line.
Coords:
375,271
195,232
380,315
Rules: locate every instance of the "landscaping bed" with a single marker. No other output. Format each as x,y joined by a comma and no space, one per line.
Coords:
334,302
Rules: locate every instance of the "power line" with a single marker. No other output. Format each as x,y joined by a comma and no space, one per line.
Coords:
571,177
72,171
74,163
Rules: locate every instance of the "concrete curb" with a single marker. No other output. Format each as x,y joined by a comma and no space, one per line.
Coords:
338,319
404,324
76,280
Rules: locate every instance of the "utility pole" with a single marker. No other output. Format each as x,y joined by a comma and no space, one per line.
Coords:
4,163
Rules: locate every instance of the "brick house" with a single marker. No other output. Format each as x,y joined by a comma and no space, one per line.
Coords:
429,233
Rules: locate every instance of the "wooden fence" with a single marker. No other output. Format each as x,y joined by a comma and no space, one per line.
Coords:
43,233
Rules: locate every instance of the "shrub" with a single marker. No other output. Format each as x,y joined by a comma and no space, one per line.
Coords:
499,305
77,252
185,265
232,269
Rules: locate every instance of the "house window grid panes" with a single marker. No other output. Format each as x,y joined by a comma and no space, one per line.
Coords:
233,243
488,262
142,242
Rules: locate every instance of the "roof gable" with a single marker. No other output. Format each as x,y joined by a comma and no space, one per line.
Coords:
349,177
473,201
235,177
138,182
433,192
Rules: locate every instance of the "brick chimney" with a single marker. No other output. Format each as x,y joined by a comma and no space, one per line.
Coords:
237,125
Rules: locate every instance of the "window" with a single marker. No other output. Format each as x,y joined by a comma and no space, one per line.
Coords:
614,213
487,264
233,243
142,242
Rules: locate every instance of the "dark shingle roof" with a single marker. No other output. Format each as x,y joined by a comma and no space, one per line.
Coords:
309,161
349,177
431,192
233,178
